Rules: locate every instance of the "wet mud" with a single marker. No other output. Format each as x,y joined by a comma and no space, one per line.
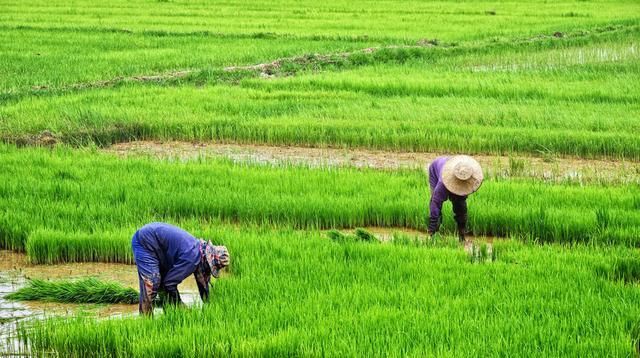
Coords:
15,270
543,168
387,234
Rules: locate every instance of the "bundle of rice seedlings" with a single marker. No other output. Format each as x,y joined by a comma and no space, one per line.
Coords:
89,290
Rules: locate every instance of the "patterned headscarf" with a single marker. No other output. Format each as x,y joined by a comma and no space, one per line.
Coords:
217,257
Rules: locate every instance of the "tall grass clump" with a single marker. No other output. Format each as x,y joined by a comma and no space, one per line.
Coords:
624,269
48,247
359,234
365,235
14,230
89,290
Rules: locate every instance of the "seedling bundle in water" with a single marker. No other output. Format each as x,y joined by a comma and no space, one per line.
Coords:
89,290
358,235
482,253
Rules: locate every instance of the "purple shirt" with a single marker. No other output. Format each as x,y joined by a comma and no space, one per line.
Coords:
439,193
177,252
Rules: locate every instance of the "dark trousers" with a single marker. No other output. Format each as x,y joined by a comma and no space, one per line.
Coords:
460,213
148,275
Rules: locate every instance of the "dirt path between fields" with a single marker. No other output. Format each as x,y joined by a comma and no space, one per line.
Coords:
306,61
172,75
264,70
270,69
557,169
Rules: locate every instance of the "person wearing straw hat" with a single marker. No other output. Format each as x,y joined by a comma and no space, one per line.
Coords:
165,255
452,178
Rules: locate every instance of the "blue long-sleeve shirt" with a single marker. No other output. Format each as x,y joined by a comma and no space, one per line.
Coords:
177,251
439,194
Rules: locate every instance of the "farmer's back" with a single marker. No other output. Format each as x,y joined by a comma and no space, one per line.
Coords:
169,243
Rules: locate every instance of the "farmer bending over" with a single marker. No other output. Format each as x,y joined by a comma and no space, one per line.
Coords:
166,255
452,178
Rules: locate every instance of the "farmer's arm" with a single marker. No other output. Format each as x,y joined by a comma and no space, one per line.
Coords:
202,279
460,215
460,211
180,270
438,196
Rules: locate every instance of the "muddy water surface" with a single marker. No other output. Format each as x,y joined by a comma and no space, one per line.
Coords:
545,168
15,270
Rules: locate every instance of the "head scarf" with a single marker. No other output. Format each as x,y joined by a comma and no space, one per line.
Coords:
217,257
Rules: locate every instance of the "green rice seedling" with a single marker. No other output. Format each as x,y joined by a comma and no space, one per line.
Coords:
92,217
584,79
49,246
554,81
364,235
403,239
336,235
340,237
482,253
123,41
547,155
435,241
603,218
89,290
13,232
625,269
635,336
516,166
345,292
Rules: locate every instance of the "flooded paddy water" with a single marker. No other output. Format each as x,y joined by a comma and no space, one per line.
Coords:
547,168
15,270
475,246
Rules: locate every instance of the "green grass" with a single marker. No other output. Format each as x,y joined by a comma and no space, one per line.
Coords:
568,96
54,44
337,18
49,246
69,57
89,290
516,78
623,269
299,293
77,205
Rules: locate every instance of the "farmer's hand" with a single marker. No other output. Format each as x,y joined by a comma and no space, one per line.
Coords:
174,298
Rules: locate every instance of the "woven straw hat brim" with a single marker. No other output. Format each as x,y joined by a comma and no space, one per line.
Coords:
462,187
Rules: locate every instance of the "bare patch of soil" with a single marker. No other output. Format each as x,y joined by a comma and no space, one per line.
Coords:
42,139
550,169
113,81
269,69
265,70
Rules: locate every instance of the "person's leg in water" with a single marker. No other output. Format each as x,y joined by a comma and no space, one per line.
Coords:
148,275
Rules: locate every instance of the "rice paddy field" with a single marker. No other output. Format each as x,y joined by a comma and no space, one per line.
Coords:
297,134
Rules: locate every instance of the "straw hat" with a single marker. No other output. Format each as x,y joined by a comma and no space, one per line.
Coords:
217,258
462,175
